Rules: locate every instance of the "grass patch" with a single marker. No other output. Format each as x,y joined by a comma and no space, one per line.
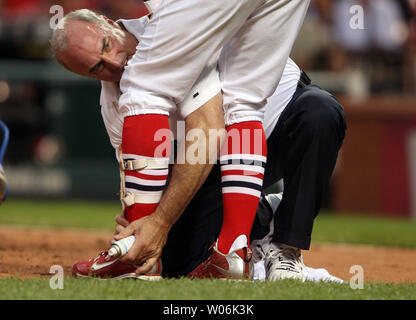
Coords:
100,215
60,213
186,289
328,227
379,231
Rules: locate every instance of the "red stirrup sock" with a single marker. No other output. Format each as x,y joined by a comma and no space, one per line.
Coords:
145,137
243,160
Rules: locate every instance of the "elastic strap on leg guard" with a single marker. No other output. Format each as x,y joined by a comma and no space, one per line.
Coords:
127,198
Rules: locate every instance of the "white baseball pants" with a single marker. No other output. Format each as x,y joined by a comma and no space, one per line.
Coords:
183,35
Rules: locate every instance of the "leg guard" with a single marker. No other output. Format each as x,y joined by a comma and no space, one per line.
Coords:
144,157
133,187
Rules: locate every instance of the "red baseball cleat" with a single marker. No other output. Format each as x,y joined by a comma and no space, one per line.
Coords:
235,265
107,267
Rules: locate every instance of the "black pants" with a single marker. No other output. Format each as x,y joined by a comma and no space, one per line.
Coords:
302,150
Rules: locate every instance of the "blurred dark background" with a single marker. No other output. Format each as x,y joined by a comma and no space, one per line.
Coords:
59,147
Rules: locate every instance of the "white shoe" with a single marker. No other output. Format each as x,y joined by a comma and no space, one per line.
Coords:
284,262
320,274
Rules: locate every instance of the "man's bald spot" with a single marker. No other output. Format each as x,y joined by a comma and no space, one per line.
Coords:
81,43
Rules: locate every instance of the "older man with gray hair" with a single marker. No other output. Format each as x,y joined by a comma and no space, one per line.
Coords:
67,44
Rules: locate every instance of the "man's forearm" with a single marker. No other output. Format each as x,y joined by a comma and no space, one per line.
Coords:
187,178
186,181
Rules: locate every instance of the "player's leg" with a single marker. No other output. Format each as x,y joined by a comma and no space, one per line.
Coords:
247,81
179,40
144,163
144,159
250,68
305,146
144,173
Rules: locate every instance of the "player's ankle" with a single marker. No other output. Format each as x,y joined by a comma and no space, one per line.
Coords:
239,242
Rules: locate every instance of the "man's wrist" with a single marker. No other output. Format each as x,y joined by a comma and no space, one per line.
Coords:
162,218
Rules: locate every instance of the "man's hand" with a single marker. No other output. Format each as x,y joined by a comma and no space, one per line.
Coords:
151,232
151,235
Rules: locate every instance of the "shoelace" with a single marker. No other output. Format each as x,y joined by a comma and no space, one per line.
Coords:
98,257
287,257
259,252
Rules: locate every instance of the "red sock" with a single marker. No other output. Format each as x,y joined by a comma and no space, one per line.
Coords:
140,140
243,159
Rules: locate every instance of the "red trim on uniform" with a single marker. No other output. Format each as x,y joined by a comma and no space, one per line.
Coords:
146,176
242,173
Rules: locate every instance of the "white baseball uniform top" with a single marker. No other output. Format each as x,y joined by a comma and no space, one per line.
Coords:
206,87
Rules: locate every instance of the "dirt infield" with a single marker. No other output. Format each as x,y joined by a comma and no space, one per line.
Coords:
31,252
